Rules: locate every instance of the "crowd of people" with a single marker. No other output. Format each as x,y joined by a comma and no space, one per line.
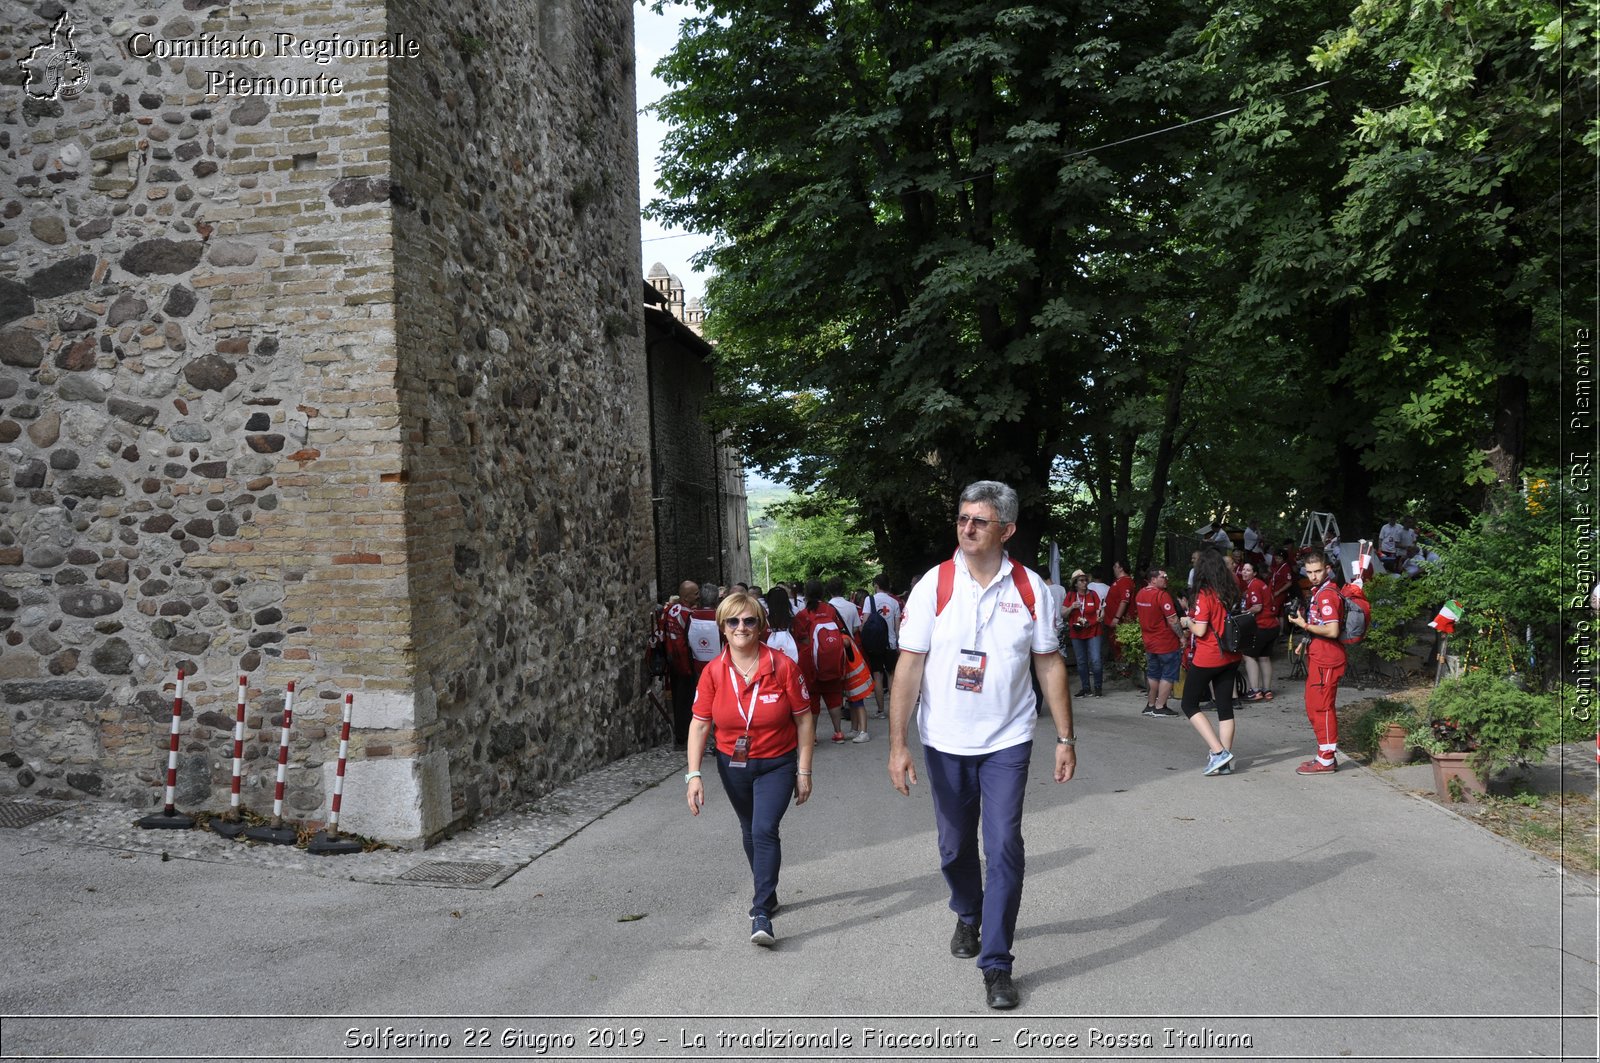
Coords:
976,652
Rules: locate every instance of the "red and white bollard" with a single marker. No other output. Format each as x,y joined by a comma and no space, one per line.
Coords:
169,818
231,823
276,833
327,842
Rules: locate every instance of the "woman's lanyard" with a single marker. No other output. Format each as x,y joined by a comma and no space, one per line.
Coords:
755,692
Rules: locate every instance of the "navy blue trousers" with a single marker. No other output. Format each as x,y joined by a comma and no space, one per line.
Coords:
760,794
982,792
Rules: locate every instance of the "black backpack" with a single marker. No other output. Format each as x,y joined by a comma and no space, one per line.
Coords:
874,629
1231,637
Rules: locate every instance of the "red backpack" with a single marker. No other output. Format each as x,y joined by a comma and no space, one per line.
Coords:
1357,615
947,583
827,640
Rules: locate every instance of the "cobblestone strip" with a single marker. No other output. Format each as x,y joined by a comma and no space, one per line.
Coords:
514,839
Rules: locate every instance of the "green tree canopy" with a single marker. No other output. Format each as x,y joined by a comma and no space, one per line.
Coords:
1170,259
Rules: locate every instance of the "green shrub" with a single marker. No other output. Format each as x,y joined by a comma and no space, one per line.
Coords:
1504,567
1132,642
1498,722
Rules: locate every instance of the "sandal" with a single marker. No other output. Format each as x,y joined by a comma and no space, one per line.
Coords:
1265,695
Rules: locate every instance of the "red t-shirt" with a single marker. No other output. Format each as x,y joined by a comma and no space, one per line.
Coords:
779,694
1258,593
1121,591
1084,623
1282,581
1326,606
1154,605
1208,652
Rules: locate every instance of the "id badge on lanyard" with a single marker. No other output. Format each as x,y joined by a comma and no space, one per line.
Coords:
971,664
740,758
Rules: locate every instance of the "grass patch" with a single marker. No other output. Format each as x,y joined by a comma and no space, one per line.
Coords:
1562,827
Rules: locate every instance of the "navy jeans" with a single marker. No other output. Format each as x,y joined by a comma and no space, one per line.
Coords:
1087,651
983,790
760,794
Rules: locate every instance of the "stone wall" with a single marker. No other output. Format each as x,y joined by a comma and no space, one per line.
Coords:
524,388
341,387
701,513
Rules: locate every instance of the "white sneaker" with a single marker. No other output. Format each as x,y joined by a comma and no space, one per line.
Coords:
851,734
861,736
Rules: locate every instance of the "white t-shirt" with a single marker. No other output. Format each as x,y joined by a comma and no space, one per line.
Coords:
990,619
848,613
1252,540
1099,588
888,607
1392,539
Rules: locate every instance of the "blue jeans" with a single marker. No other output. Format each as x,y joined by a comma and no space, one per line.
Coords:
1087,651
759,794
968,791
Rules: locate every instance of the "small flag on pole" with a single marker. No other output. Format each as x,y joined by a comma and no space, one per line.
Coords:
1449,613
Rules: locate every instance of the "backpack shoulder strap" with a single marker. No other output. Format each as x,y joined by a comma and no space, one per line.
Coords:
945,586
947,582
1019,576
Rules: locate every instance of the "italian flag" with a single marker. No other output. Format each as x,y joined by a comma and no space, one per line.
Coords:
1449,613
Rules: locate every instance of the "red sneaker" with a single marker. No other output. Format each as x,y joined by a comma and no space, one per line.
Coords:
838,736
1316,767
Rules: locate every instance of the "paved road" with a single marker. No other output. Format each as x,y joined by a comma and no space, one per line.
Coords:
1167,915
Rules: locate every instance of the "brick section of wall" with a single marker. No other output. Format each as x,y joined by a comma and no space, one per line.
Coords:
244,427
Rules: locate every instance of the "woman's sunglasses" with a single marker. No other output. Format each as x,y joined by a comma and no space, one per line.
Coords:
742,621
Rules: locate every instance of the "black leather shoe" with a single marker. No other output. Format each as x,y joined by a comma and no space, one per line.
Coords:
964,942
998,992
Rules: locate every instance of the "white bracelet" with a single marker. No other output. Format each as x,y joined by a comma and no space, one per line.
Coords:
690,776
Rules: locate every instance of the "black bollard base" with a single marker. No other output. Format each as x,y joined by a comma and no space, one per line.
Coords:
228,828
273,835
324,845
166,821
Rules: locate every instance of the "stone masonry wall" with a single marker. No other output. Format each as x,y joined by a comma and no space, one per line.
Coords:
524,391
685,456
260,415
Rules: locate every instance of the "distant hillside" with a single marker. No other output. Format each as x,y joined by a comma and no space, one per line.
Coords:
757,499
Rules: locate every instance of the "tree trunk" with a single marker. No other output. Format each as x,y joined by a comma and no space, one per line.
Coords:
1119,534
1162,467
1504,448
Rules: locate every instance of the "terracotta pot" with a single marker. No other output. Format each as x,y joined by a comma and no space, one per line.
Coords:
1392,745
1447,766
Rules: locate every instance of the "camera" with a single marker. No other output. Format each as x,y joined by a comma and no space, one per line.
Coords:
1291,607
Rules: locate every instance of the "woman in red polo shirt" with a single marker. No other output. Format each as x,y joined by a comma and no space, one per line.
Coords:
1261,635
764,733
1214,669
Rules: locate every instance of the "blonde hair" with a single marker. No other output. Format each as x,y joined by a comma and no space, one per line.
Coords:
742,602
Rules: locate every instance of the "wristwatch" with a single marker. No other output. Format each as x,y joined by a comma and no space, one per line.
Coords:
1066,741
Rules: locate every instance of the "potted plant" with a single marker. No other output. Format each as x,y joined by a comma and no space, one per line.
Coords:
1480,725
1384,731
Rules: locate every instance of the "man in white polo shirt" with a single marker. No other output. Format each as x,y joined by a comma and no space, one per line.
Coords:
972,627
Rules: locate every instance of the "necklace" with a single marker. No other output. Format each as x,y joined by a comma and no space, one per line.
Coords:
750,670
